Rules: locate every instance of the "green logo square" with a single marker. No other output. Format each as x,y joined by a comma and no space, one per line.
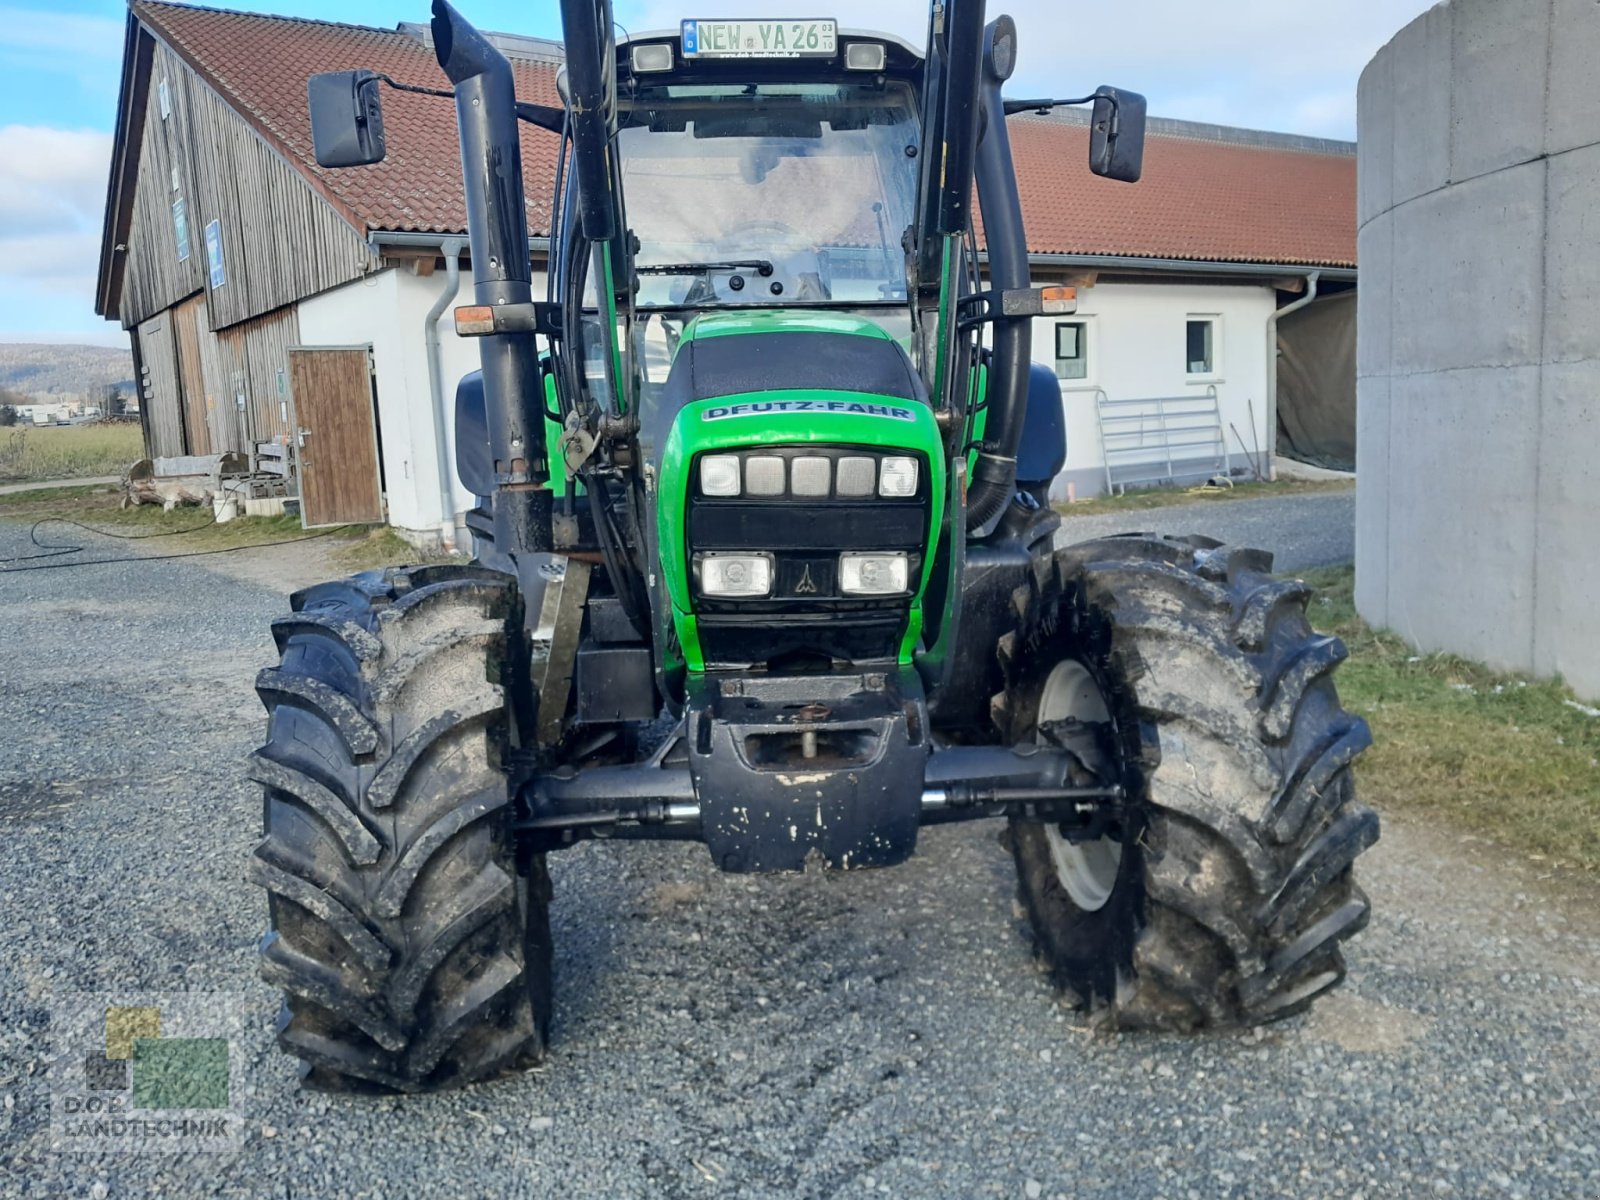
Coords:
180,1073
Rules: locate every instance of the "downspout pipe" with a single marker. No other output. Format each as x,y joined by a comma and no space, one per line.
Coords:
994,473
451,249
1312,280
502,274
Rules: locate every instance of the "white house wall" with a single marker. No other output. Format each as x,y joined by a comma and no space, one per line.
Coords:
1137,350
1136,338
389,310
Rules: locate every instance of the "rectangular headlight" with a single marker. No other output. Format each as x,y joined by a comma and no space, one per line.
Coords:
864,56
874,574
763,475
897,478
719,475
652,56
737,575
857,477
810,476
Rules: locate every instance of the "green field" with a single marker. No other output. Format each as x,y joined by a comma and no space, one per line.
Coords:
1512,757
68,451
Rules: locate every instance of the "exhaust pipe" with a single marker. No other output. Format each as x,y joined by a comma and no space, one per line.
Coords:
502,273
994,474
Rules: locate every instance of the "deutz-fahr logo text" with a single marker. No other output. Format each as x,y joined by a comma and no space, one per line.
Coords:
762,408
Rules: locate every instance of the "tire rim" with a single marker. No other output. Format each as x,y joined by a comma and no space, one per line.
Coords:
1087,870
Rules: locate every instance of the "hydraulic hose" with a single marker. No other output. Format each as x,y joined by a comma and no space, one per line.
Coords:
625,579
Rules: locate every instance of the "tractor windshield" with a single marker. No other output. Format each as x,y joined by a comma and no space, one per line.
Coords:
769,194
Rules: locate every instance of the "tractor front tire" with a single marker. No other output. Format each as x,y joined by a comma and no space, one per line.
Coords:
412,952
1223,897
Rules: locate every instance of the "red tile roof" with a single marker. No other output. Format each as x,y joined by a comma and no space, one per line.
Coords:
260,64
1198,199
1201,200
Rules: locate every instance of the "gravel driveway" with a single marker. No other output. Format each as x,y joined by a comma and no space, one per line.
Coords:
872,1034
1316,530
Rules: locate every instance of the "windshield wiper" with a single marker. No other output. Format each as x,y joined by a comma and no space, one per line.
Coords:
760,266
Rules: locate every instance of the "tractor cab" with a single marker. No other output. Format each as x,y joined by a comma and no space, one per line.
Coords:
751,180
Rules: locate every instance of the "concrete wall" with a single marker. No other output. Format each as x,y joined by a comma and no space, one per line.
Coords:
1479,335
1136,337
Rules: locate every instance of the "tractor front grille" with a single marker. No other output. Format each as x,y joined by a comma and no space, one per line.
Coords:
805,534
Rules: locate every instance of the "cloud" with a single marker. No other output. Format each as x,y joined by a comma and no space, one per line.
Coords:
51,179
62,71
52,196
56,263
1261,64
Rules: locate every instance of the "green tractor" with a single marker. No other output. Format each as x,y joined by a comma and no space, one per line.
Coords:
789,443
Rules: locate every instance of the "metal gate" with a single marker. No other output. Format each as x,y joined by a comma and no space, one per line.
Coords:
1162,439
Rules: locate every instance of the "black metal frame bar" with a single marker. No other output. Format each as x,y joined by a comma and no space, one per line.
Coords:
655,801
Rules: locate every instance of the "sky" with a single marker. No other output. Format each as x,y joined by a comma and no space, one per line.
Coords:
1266,64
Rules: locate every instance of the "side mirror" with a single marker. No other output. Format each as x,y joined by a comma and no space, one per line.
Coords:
346,118
1116,135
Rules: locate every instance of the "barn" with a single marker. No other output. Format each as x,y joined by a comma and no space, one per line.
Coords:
271,303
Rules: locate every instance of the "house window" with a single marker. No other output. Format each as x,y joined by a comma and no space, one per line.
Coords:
1072,350
1201,356
166,100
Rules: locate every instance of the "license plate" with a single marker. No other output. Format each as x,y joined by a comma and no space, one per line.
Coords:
760,39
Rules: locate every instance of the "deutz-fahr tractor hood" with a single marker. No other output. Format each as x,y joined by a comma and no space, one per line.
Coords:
850,400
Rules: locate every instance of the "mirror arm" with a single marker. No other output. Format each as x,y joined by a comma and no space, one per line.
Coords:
542,115
1041,107
414,87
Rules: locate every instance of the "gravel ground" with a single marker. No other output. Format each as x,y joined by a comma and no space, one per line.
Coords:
1302,532
873,1034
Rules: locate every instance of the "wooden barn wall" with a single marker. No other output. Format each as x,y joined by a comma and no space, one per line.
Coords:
160,399
255,356
281,241
154,277
209,392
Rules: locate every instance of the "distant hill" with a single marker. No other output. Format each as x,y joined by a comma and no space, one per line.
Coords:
71,370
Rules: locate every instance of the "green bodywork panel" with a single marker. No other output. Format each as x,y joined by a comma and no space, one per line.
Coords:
849,420
553,433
